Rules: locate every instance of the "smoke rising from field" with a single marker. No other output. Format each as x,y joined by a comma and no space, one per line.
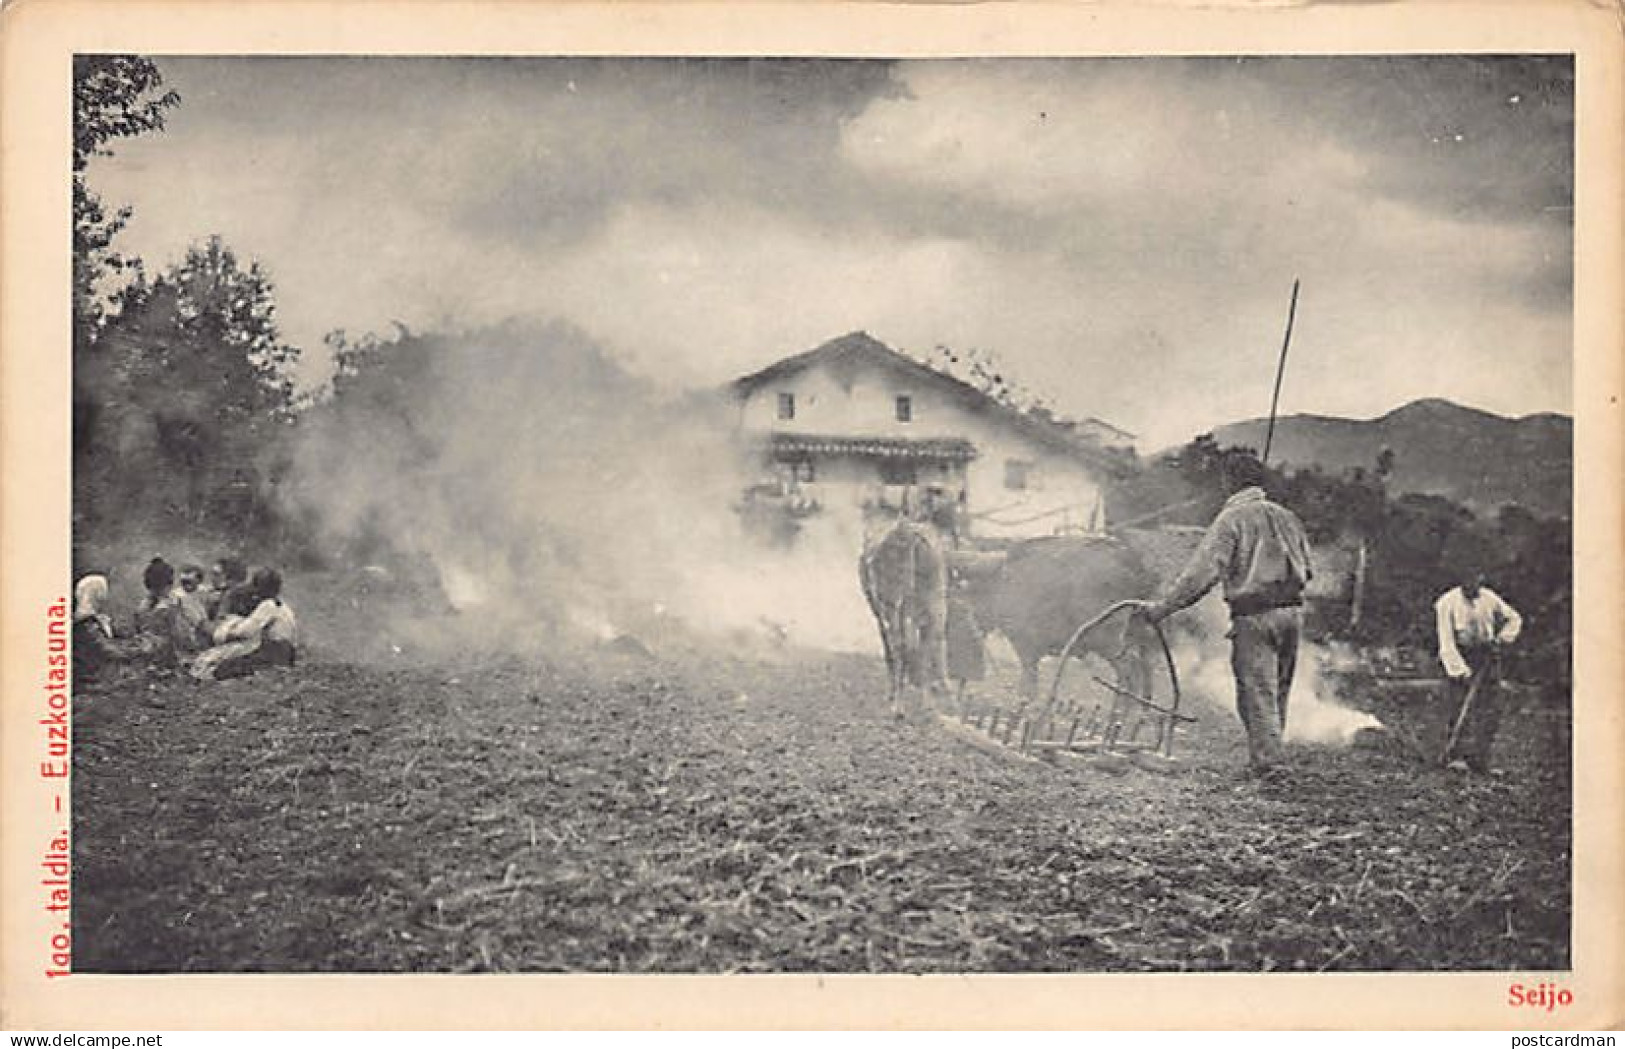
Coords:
1314,714
546,494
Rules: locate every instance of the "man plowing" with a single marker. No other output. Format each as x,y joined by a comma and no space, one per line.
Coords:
1261,553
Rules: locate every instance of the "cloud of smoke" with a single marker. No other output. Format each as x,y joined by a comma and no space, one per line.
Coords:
1314,714
543,493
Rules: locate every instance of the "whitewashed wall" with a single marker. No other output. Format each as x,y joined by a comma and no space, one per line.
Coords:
1062,494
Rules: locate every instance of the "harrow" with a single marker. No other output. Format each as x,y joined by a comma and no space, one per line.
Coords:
1107,718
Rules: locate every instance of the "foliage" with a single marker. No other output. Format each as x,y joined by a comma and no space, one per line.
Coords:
186,393
114,97
982,370
1418,546
456,444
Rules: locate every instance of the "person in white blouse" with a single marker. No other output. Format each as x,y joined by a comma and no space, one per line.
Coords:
267,637
1474,625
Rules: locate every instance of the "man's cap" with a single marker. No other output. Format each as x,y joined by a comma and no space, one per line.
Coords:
1243,468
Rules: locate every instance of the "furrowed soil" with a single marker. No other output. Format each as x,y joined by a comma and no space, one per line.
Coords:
612,810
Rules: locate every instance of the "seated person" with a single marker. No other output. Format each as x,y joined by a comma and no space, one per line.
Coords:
238,601
191,611
227,574
93,647
96,646
266,637
155,620
158,606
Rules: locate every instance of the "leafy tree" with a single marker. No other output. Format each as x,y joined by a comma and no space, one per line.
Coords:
981,369
1385,464
1407,549
114,97
195,384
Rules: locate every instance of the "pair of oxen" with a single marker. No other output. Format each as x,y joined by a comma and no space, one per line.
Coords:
1035,593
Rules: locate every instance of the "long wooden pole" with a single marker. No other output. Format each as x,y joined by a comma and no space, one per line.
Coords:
1280,370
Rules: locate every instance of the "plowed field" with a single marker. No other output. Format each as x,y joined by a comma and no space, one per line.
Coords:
608,809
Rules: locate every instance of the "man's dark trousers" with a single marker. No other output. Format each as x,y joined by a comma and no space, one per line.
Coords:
1264,656
1477,734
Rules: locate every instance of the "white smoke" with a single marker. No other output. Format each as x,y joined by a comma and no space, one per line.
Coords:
1314,713
550,494
807,595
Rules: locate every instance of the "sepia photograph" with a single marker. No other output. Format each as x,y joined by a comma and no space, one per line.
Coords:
752,515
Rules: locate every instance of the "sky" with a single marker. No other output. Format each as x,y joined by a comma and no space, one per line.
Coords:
1121,235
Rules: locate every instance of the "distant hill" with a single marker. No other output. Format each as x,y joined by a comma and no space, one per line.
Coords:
1440,448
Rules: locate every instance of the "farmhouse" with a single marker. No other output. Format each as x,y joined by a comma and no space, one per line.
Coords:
853,425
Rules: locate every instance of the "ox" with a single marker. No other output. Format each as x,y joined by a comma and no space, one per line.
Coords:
1038,593
905,580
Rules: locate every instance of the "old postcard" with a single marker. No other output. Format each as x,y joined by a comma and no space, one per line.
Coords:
1047,516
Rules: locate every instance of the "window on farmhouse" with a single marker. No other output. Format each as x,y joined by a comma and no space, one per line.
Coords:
1017,474
905,409
896,471
787,406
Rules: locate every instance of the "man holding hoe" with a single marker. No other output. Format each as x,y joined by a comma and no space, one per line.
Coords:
1474,625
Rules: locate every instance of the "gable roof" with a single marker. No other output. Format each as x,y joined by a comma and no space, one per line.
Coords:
861,347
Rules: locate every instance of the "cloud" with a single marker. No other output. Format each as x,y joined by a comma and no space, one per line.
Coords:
1122,234
1064,136
1182,199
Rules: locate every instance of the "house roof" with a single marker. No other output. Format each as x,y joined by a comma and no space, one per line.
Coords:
933,448
860,346
1101,424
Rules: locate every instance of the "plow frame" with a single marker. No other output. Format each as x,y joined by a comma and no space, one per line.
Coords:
1038,733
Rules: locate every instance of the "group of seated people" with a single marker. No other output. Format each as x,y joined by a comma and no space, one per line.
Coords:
230,625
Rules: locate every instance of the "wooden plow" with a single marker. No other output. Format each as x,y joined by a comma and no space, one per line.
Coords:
1111,720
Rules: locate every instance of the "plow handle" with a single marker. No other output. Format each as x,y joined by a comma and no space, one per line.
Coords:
1172,711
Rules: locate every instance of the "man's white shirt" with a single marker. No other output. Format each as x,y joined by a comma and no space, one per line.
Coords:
1467,622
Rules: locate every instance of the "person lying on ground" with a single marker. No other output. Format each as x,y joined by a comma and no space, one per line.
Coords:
266,637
